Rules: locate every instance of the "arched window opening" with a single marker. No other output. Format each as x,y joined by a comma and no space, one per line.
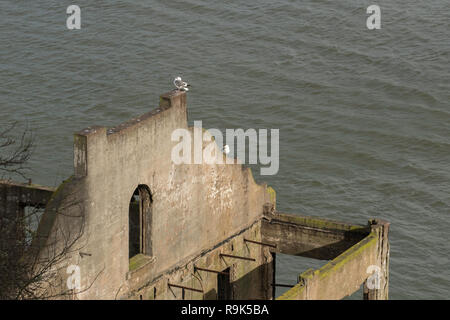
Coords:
140,221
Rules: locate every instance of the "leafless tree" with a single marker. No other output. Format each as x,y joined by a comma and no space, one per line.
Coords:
15,152
33,260
33,265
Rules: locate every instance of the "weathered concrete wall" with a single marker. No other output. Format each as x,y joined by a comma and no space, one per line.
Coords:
194,206
381,229
15,196
17,225
310,236
199,212
249,279
345,274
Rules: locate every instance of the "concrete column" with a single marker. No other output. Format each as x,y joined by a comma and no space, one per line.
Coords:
172,99
376,286
80,155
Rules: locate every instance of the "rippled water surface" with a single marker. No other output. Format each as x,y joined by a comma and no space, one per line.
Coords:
364,116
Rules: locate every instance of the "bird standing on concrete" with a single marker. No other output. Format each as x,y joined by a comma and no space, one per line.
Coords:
180,84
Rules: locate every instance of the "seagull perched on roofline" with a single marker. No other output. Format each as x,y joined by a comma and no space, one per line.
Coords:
180,84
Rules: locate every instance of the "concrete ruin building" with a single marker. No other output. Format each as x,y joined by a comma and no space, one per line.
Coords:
142,227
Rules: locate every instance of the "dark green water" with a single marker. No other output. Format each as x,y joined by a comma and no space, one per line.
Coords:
364,115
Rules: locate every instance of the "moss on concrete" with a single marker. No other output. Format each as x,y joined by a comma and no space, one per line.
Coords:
320,223
60,188
138,261
333,266
273,194
294,293
348,255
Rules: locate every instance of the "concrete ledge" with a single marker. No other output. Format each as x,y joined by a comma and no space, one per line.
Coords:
318,223
346,273
27,186
310,237
338,278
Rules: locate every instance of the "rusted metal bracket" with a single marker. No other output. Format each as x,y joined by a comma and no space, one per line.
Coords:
183,287
82,254
237,257
210,270
282,285
261,243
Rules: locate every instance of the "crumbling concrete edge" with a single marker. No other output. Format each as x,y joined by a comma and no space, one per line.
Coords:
300,290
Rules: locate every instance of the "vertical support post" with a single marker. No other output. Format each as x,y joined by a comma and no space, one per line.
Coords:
80,155
308,280
174,99
274,264
376,286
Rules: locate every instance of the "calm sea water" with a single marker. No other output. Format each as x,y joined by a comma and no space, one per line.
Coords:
364,116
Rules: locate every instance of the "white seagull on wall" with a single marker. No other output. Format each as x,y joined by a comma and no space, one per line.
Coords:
180,84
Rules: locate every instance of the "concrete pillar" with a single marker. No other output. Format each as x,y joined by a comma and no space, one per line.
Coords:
376,286
80,155
173,99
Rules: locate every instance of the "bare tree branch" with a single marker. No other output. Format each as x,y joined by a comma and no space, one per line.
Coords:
14,154
31,268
